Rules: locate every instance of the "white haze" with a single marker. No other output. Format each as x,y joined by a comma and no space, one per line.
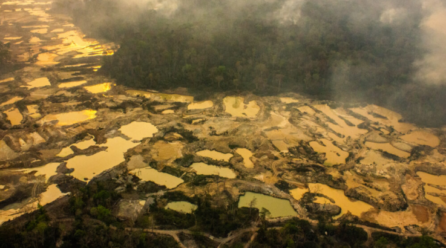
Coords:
432,67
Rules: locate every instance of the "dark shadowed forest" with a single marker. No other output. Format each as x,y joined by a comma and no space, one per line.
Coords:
338,50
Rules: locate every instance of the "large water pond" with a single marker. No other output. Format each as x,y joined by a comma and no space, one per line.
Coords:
387,147
277,207
70,118
333,153
205,169
434,180
215,155
200,105
149,174
182,207
246,155
237,108
98,88
345,203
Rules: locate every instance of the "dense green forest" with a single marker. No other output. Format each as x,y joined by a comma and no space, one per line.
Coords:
4,55
86,219
339,50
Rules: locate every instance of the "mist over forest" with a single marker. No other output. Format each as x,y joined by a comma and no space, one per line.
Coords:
389,53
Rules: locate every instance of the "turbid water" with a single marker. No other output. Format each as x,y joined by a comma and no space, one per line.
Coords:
200,105
237,108
182,206
14,116
333,153
215,155
246,154
205,169
72,84
276,207
152,175
98,88
65,119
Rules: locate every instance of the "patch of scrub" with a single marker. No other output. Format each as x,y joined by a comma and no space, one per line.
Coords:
422,138
237,108
14,116
182,206
205,169
33,111
98,88
11,101
387,147
288,100
333,153
200,105
38,83
6,153
160,96
345,203
70,118
277,207
215,155
393,219
72,84
163,151
160,178
139,130
51,194
246,154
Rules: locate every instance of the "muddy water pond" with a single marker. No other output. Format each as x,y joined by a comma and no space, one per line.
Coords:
422,138
333,153
435,180
38,83
98,88
139,130
14,116
205,169
237,108
149,174
12,100
72,84
33,111
200,105
51,194
345,203
246,154
182,206
70,118
215,155
277,207
387,147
